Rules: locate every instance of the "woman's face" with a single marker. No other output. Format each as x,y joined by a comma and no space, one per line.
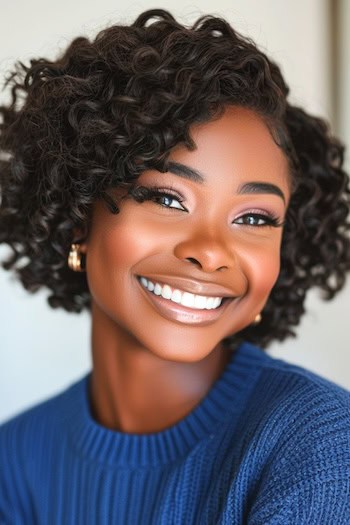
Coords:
212,234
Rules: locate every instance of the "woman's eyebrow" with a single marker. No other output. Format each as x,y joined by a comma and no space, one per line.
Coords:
261,187
247,188
185,171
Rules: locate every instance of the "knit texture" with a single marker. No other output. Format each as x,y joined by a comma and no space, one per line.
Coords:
269,444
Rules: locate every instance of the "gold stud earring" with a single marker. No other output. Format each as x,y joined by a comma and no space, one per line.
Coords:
257,319
76,258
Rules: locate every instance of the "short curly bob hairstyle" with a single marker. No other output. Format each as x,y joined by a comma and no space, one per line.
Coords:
106,110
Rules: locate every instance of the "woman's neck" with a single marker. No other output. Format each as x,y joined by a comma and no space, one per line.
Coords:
133,390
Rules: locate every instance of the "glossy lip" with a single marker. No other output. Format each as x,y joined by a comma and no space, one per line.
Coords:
183,314
191,286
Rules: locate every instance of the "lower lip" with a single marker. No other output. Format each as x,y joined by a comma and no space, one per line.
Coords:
183,314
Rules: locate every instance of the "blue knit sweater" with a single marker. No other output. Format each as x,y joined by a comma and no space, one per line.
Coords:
269,444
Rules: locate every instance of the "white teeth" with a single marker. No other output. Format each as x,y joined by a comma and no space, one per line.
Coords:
210,303
144,282
200,301
176,296
166,292
157,289
185,298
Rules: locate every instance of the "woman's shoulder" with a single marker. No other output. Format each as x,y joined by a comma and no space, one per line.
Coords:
286,377
42,418
300,421
294,409
31,447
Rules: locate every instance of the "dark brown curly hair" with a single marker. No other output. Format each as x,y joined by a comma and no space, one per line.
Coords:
106,110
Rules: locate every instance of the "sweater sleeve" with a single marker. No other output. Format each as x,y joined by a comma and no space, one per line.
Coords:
309,503
306,480
11,486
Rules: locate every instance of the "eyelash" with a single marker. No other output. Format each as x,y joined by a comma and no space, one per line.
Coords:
143,193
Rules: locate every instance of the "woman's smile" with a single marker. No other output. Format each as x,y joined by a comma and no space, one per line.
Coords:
183,297
192,313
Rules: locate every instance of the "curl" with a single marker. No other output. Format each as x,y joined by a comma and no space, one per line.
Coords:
107,109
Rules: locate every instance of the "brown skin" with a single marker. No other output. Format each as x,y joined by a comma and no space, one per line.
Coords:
150,371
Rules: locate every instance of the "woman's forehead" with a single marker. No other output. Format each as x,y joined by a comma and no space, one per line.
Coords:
237,145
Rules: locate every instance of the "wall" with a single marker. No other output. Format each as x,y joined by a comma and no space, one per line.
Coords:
43,350
344,72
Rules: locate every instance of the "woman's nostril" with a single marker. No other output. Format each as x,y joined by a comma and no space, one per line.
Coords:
191,259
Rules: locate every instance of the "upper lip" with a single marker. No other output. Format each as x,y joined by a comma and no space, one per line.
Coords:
189,285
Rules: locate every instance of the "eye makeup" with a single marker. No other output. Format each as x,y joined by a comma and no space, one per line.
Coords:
251,217
259,219
144,193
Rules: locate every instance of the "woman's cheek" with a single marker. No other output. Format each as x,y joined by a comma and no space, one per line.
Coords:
269,274
262,271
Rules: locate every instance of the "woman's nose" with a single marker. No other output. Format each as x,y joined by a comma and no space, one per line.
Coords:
208,251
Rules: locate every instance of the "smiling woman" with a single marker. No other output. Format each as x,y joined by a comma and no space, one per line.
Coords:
173,190
194,234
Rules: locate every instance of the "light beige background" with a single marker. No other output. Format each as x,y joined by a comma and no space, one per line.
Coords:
43,350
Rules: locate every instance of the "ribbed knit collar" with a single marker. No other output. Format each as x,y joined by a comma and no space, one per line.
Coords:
222,404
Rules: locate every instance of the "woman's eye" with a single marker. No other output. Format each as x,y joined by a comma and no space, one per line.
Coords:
257,219
167,201
159,196
164,198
